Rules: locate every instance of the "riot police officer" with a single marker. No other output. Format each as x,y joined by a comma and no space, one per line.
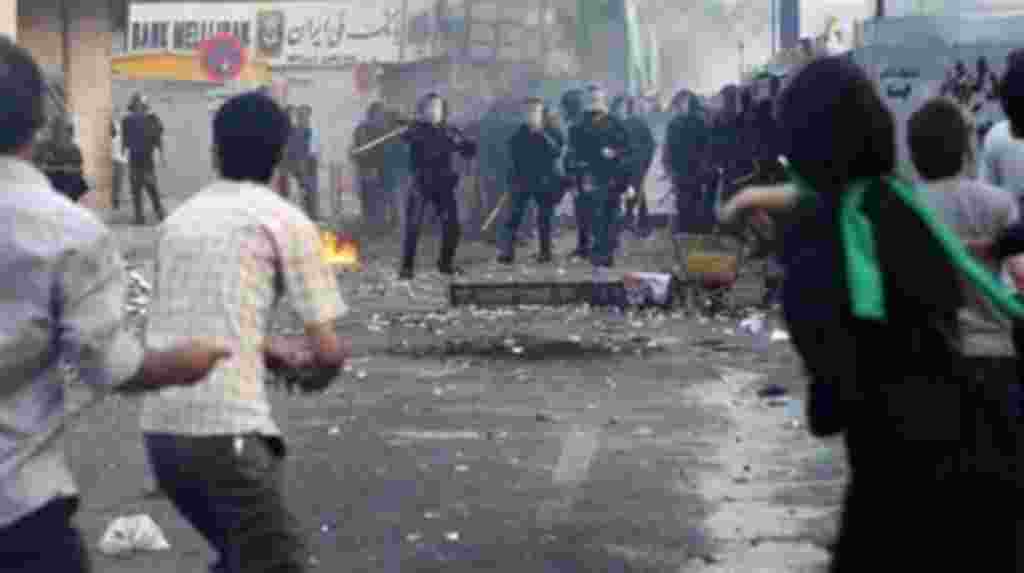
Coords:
433,144
598,149
687,160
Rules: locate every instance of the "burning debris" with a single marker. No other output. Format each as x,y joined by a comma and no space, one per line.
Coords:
340,250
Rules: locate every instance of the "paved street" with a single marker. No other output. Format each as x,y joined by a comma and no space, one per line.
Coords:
568,440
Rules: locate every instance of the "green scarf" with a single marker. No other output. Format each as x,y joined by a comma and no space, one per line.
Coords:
864,275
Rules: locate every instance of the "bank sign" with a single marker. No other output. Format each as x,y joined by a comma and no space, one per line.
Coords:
280,34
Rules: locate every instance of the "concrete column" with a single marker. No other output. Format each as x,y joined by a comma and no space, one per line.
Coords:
88,84
9,18
39,31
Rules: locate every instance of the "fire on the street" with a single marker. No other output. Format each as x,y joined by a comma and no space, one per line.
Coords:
340,250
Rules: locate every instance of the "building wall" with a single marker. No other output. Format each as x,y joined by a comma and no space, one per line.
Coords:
86,74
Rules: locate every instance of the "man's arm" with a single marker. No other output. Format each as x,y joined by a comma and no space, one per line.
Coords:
313,289
92,334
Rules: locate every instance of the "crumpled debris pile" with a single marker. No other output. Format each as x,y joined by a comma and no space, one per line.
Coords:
129,534
139,294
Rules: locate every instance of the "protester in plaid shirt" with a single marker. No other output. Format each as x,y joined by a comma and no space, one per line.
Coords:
62,293
224,260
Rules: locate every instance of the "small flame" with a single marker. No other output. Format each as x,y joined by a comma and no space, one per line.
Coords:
340,250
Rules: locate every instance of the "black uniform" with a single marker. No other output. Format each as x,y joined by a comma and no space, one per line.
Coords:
534,177
643,145
687,159
143,134
432,148
601,180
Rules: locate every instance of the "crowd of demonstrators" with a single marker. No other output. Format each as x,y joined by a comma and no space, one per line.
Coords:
142,134
215,449
876,274
433,145
66,307
534,177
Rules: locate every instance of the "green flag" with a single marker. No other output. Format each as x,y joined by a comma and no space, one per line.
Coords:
610,29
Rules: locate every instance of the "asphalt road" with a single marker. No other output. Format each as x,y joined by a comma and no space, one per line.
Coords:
550,440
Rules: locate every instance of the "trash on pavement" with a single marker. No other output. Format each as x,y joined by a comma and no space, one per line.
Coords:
647,288
752,325
772,391
133,533
452,536
779,335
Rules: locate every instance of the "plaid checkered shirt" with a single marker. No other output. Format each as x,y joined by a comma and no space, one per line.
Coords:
225,259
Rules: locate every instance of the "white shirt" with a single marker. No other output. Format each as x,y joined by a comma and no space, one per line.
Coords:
1002,159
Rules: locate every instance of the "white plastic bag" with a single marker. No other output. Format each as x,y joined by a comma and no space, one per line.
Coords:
133,533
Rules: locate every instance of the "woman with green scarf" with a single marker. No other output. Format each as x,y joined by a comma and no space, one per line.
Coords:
871,294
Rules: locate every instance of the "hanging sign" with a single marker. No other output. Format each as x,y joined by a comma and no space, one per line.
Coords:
222,57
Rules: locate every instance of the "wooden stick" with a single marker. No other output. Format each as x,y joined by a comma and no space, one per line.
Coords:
390,135
494,213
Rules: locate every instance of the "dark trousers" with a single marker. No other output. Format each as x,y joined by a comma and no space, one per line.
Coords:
637,215
371,189
45,541
143,179
606,218
519,204
583,211
442,197
233,497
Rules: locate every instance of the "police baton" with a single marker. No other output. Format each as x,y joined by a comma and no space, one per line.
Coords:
494,213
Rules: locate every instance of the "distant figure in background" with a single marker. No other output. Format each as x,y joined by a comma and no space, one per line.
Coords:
61,160
1002,156
308,165
143,134
643,148
371,164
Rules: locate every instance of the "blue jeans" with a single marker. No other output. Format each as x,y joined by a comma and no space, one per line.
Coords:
233,497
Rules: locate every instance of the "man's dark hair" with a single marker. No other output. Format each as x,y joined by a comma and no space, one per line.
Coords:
1011,92
250,132
22,97
939,139
834,126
